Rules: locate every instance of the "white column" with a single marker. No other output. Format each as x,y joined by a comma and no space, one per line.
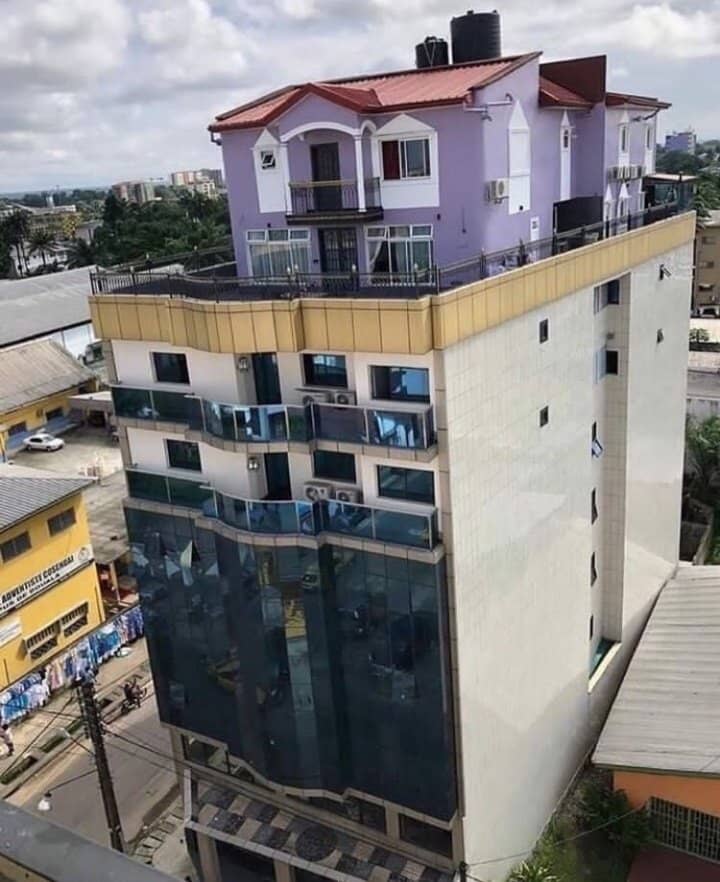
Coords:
285,169
360,172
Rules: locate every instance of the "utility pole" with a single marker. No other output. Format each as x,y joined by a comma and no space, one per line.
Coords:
93,728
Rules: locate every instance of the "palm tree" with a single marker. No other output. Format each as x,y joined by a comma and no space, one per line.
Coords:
16,229
81,253
43,242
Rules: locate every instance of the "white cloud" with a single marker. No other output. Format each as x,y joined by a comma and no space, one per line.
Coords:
99,90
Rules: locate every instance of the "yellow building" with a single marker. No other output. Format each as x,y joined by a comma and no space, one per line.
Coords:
49,592
37,380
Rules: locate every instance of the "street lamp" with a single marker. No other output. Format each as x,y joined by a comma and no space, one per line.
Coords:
45,802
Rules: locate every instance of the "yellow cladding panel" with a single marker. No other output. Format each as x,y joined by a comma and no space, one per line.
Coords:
417,326
48,606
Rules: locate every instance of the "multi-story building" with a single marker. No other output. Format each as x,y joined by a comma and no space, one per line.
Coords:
401,502
138,192
196,182
706,290
685,142
49,591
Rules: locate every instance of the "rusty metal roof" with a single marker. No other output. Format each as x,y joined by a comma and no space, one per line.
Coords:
379,93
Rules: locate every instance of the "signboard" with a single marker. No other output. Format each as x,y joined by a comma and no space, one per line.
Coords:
9,631
40,582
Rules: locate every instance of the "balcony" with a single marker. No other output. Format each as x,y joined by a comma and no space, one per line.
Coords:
220,283
268,423
288,518
334,201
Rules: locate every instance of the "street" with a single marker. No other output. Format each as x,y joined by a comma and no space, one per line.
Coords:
141,777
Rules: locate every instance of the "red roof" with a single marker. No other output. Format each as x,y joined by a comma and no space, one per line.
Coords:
615,99
381,93
555,95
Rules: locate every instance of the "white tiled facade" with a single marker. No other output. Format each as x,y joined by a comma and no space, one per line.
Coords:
519,555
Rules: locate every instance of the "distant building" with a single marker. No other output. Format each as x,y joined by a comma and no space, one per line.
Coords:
684,142
706,290
36,382
205,181
49,589
138,192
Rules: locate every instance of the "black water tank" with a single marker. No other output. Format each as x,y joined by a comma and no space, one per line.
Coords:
432,52
475,36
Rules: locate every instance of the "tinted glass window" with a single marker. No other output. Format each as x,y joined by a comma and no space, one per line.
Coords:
611,361
325,370
14,547
426,835
544,331
170,367
54,414
61,521
183,455
334,466
17,429
400,384
414,484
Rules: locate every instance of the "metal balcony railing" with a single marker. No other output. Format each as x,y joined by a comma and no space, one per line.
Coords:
219,283
313,197
374,426
291,517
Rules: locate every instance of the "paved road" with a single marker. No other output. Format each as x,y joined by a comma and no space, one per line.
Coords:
141,778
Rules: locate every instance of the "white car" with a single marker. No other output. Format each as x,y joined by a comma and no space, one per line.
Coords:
43,441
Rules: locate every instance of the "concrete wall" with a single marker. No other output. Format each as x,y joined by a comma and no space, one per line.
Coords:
522,539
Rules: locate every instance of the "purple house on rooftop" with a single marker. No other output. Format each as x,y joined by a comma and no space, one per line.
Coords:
397,172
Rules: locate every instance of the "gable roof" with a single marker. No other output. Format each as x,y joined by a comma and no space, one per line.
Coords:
24,491
379,93
41,305
35,370
619,99
555,95
666,715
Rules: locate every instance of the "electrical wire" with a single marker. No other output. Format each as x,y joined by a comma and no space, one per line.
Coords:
23,753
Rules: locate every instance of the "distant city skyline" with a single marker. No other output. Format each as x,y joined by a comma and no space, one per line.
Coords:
98,93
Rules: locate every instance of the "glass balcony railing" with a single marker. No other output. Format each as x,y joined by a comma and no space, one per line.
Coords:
280,517
381,427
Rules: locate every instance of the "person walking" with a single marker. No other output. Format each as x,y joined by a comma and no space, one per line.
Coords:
7,739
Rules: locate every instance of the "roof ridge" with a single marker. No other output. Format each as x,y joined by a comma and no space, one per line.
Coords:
429,70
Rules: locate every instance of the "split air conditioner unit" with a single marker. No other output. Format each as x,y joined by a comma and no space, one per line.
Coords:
348,494
498,190
343,396
314,397
316,491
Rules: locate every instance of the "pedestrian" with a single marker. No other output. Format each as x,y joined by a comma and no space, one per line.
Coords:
7,739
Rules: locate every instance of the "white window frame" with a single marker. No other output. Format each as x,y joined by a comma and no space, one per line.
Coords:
624,136
268,159
287,234
413,236
402,154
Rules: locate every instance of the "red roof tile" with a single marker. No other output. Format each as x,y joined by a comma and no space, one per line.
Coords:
555,95
615,99
380,93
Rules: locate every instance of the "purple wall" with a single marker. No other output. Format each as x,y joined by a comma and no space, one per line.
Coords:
472,151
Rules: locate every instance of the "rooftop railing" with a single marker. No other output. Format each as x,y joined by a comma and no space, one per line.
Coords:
374,426
288,517
219,283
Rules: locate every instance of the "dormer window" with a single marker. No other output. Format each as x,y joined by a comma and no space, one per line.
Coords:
406,158
268,160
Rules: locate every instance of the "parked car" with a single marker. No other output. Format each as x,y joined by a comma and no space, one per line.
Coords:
43,441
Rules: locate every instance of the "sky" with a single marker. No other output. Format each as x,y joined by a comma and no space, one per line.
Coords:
97,91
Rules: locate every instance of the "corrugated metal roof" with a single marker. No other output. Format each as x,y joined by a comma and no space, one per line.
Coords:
380,92
555,95
35,370
666,716
41,305
703,384
23,491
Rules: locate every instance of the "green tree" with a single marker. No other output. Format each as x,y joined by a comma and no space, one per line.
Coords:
702,444
43,242
677,162
699,335
17,229
707,196
82,253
